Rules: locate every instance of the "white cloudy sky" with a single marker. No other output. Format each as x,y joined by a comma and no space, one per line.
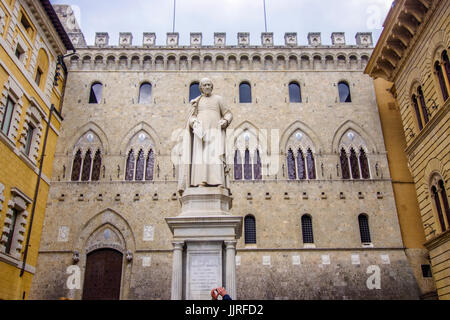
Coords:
230,16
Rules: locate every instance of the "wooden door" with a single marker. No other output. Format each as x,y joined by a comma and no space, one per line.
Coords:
103,275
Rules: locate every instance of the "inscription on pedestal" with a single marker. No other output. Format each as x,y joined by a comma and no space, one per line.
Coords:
204,274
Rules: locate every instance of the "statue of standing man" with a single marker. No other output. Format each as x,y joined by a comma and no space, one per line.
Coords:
203,160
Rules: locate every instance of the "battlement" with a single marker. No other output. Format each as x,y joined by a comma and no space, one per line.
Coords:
363,40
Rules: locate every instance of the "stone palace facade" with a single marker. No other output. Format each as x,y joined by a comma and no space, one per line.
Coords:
308,169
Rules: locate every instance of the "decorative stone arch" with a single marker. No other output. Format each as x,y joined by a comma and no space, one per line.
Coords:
75,59
183,63
415,80
364,58
136,60
317,54
439,42
292,60
341,54
219,57
91,236
256,55
86,57
99,58
44,60
306,60
90,126
356,142
195,61
112,219
111,60
236,141
208,61
268,61
300,126
172,60
435,166
350,125
145,128
329,54
353,56
281,60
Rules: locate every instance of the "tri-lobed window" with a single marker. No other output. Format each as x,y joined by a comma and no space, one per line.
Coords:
141,166
86,168
301,166
354,166
249,169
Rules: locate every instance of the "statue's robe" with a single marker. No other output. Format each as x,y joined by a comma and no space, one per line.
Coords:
203,159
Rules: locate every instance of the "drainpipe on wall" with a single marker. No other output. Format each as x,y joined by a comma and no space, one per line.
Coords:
36,191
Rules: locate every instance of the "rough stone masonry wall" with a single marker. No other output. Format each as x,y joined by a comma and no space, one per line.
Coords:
128,207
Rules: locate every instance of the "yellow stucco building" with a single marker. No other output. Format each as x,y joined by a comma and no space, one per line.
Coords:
32,72
412,54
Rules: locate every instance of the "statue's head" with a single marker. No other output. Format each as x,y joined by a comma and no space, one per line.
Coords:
206,86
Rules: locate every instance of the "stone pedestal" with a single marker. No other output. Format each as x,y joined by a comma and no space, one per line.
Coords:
204,239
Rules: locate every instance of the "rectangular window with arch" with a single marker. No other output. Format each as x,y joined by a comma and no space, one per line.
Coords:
7,116
29,138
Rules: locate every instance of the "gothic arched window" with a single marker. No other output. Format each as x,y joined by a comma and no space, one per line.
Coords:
76,166
442,84
95,95
245,93
311,165
291,165
149,167
444,199
250,229
344,92
96,166
247,166
294,92
87,162
129,170
344,165
257,174
364,228
301,165
446,64
237,166
437,204
423,104
365,173
140,163
145,93
194,90
417,110
354,164
307,229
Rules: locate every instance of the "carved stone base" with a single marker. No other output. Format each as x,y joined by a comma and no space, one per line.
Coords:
204,239
206,201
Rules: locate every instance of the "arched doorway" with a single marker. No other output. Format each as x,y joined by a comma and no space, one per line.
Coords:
103,275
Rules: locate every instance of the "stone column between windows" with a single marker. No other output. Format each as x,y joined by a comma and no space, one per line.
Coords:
177,271
230,247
